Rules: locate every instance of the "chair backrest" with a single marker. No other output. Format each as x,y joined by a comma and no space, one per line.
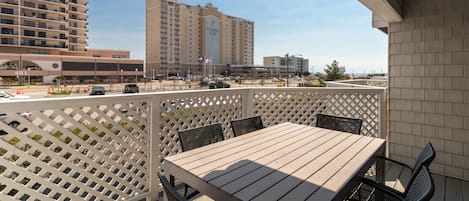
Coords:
421,186
425,158
198,137
170,191
344,124
246,125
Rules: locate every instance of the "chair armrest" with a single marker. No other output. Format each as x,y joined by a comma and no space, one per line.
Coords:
380,187
394,161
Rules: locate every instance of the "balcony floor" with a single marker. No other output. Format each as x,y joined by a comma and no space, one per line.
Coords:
446,188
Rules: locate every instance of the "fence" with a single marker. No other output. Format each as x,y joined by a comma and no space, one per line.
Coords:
111,147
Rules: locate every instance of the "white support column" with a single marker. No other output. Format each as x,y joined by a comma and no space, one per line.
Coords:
155,147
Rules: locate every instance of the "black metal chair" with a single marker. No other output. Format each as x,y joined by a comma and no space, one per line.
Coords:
420,188
169,191
246,125
344,124
425,158
199,137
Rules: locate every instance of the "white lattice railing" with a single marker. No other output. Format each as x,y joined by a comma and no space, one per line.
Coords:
111,148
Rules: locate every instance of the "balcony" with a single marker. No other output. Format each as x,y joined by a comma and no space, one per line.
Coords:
111,148
46,18
9,2
44,8
54,2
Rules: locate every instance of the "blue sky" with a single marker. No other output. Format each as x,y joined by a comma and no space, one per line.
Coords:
320,30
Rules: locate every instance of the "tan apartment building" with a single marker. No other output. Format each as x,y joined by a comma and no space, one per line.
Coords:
184,39
49,32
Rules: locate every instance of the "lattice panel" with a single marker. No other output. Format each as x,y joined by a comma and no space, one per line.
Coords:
195,111
76,152
302,106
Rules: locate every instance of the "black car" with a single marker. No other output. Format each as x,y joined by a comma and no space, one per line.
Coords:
218,85
131,88
97,90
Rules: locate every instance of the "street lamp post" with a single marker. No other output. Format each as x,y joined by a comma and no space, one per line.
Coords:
122,76
287,58
288,70
136,75
29,78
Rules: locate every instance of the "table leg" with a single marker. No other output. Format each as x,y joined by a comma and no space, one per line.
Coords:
380,173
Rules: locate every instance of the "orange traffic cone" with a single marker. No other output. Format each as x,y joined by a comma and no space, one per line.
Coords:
20,91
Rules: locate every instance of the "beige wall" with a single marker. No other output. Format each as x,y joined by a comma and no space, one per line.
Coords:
153,39
429,84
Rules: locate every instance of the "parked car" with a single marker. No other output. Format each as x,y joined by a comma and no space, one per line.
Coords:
218,85
203,83
4,96
97,90
131,88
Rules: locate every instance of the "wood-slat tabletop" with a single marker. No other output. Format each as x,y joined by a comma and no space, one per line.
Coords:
283,162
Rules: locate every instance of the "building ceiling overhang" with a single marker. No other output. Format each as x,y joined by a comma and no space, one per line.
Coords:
384,12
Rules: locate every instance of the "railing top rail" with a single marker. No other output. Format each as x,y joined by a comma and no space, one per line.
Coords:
348,85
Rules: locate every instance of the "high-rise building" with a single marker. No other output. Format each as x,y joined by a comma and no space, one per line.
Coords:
41,40
47,25
184,39
297,65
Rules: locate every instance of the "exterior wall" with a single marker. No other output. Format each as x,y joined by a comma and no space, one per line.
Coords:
296,64
429,84
153,39
54,65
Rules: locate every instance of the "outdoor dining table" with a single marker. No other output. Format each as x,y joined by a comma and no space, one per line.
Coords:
283,162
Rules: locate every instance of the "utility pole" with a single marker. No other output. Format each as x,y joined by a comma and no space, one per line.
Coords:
288,70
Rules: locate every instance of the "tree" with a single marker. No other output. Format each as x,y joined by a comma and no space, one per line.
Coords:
334,72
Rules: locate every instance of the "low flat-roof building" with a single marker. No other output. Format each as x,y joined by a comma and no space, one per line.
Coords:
296,64
45,39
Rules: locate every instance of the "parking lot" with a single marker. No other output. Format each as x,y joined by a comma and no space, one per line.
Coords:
42,91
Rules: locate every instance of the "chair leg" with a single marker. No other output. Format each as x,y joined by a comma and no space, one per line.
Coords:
186,188
171,180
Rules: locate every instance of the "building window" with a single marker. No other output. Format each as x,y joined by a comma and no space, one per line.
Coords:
118,56
30,42
96,55
6,21
41,34
42,25
7,31
7,11
7,41
42,6
39,51
29,33
29,4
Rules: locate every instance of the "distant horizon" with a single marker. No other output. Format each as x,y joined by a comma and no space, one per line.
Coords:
345,32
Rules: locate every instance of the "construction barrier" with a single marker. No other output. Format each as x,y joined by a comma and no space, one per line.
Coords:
20,91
